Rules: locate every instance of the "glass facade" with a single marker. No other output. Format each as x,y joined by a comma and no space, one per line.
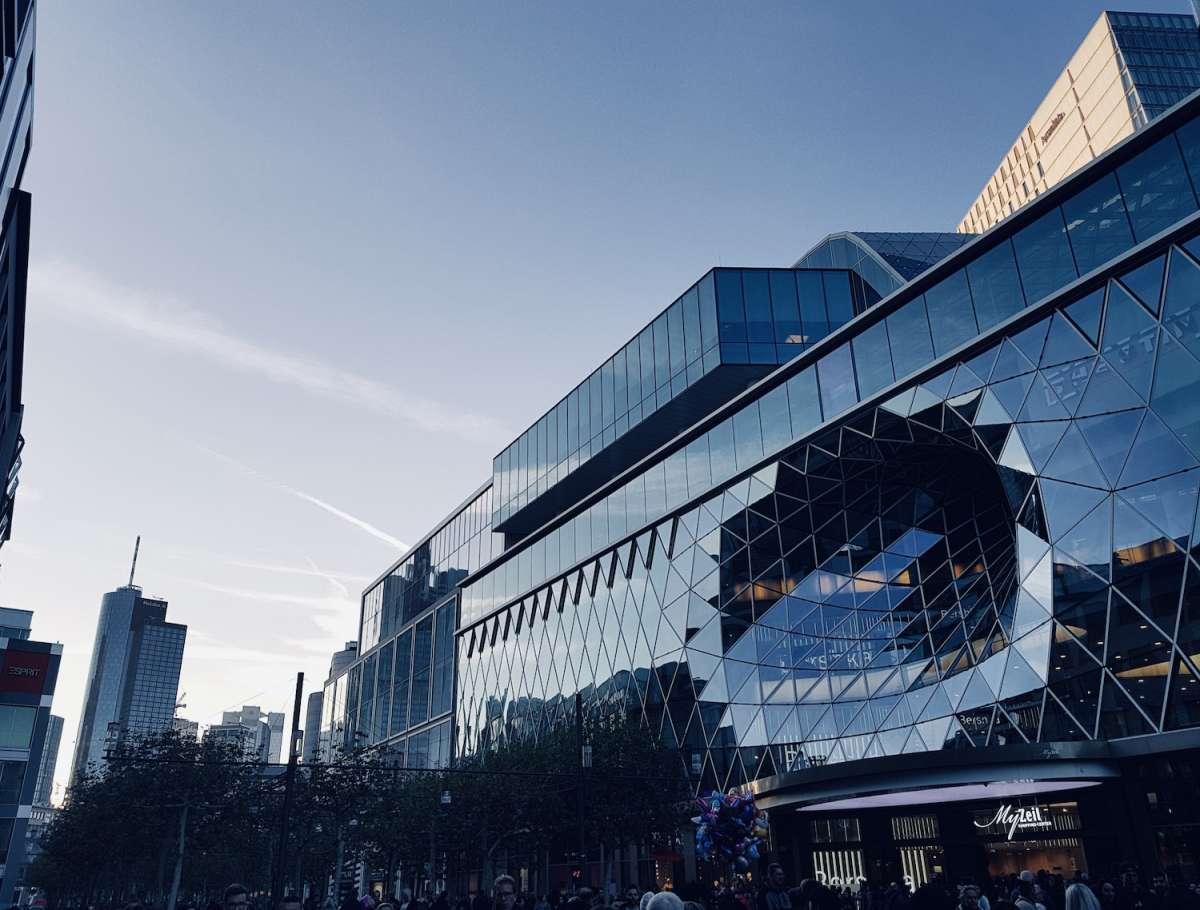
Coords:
965,516
730,317
885,260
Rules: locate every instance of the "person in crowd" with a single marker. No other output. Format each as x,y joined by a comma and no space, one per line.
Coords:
504,892
441,902
542,903
932,896
968,897
236,897
774,895
1080,897
665,900
1108,896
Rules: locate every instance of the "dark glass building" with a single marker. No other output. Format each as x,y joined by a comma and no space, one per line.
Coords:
926,578
133,679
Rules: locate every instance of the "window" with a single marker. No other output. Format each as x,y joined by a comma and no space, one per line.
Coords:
16,726
951,316
995,287
1156,188
1096,224
729,305
1044,256
812,305
836,376
911,345
872,360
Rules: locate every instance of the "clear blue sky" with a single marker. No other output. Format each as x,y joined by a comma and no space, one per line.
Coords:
300,270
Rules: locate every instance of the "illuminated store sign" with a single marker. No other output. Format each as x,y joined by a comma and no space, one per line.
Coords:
1014,819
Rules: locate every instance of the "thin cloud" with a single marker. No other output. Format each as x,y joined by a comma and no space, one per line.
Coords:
309,498
174,324
333,580
271,597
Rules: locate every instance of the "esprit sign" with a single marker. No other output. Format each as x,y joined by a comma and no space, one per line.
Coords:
1017,818
23,671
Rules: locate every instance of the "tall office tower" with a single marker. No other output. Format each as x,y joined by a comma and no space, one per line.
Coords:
1129,69
312,726
252,739
268,738
29,738
17,30
45,779
187,729
134,675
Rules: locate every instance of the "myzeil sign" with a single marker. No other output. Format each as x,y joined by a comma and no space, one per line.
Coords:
1017,819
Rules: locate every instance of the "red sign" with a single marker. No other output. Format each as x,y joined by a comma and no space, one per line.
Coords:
23,671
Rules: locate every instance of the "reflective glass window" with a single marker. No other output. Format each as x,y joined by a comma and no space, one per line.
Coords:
839,302
811,291
720,451
708,311
656,491
747,437
400,686
776,419
835,374
1156,188
951,316
620,401
606,393
691,326
995,287
699,474
908,331
646,343
785,309
1096,224
675,333
633,371
1189,143
730,306
872,360
662,352
804,401
596,408
1044,256
677,483
757,296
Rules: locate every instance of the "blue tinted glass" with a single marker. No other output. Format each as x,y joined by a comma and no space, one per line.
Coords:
872,360
633,372
1156,188
729,305
804,401
675,333
812,305
597,410
1096,224
835,373
708,311
662,352
607,373
1044,256
758,306
785,309
620,401
1189,142
646,344
677,489
691,326
995,287
720,451
838,301
747,437
908,328
776,419
699,474
951,316
573,421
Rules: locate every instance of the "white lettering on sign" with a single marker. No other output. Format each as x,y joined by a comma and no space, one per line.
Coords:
24,671
1021,818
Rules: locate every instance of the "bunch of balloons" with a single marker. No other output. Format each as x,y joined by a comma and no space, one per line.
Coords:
729,829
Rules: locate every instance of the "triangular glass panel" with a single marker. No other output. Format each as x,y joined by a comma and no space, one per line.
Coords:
1010,362
1019,677
1109,436
1175,396
1014,455
1146,282
1119,717
1107,392
1064,343
1031,340
1073,461
1065,504
1041,438
1182,292
1011,392
1085,313
1043,402
1129,339
1154,453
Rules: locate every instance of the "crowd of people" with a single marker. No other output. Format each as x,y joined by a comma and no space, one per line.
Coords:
1026,891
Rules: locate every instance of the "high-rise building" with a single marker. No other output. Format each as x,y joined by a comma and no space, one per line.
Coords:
29,738
17,32
133,679
45,778
1129,69
266,727
312,726
927,579
187,729
252,739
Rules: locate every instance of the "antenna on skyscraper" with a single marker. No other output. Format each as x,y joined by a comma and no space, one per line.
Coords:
136,546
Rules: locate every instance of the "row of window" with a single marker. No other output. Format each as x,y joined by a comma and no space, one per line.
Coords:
731,316
1099,222
429,572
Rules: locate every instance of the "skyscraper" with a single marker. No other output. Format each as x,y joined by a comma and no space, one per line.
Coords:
134,674
312,726
45,779
265,727
1129,69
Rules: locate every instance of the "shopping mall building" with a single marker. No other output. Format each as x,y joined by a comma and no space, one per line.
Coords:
903,538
